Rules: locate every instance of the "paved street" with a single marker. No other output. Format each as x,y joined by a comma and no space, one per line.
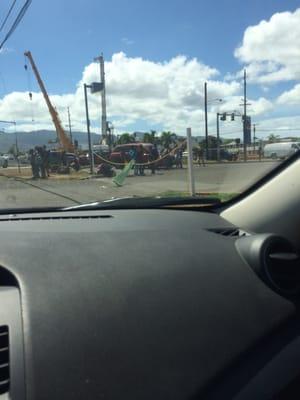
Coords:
225,178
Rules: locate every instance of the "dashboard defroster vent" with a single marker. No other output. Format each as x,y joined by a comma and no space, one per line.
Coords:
231,232
14,218
4,360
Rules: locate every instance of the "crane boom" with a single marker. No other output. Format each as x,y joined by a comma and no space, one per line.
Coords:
62,136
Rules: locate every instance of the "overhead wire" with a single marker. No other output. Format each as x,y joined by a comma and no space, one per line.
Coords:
16,22
7,15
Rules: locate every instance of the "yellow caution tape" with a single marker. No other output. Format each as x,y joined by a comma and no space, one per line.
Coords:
140,164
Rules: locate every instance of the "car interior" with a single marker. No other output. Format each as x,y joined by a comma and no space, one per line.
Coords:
187,302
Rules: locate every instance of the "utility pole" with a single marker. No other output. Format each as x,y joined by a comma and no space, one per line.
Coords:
91,155
218,138
70,126
245,115
100,59
17,149
254,138
205,114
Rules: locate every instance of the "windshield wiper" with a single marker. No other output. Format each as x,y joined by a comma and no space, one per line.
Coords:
146,202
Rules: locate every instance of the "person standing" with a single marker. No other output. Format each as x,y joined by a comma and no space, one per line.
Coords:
46,156
154,155
132,157
41,161
38,161
140,159
201,156
32,161
178,158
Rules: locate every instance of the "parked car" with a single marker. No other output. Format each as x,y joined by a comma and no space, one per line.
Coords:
213,155
280,150
121,153
100,151
10,157
23,159
225,155
3,162
60,159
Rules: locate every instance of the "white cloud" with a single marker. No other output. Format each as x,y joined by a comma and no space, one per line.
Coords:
5,50
167,94
127,41
290,97
283,126
271,49
257,107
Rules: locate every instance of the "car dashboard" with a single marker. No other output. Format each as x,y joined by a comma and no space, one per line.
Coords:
144,304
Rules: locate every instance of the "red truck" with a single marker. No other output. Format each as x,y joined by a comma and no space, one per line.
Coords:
121,154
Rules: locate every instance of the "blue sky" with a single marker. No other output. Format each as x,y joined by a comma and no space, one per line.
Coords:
64,36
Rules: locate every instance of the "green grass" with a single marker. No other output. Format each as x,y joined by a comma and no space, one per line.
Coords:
221,196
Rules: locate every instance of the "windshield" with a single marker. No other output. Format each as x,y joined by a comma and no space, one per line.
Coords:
110,99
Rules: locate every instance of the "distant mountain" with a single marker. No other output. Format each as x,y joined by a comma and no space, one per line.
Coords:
27,140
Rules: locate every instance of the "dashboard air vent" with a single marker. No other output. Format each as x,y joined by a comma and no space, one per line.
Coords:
282,266
274,259
4,360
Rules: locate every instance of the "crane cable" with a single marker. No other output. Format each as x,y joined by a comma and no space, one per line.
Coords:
29,84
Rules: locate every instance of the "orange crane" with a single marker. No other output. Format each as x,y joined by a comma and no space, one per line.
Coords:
63,138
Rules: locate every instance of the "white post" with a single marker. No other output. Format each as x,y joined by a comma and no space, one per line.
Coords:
190,161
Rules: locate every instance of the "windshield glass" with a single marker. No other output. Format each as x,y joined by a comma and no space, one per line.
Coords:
110,99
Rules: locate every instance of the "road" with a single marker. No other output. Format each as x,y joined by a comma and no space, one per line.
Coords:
225,178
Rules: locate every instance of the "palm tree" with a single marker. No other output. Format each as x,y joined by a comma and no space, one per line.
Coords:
150,137
167,138
126,138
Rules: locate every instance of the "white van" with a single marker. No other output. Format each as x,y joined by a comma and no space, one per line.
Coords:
281,149
3,162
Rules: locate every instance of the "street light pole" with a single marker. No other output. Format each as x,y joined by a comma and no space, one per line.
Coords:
88,128
100,59
95,87
205,114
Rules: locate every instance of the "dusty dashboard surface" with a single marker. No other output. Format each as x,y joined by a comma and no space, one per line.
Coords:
132,304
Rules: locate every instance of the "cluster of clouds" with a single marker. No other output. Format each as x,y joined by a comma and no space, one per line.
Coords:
270,50
169,95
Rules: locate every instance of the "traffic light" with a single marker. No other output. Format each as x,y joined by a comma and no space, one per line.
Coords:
232,117
223,117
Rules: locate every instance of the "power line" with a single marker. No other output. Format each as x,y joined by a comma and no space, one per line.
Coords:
279,129
8,14
16,22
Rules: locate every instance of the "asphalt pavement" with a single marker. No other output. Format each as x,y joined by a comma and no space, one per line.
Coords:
213,178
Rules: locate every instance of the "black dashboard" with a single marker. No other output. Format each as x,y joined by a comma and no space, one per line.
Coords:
141,304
